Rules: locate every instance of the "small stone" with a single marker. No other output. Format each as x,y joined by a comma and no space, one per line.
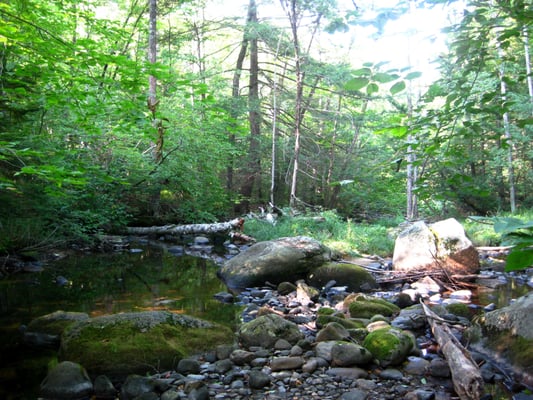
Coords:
282,344
103,388
391,374
416,366
284,363
258,379
354,394
439,368
188,366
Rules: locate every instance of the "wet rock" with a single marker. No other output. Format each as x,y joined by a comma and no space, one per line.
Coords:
45,331
136,385
153,338
104,388
412,319
68,381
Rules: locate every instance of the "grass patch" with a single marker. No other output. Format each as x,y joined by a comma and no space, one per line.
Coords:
344,236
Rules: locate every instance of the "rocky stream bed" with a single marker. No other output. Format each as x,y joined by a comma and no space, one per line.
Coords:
311,358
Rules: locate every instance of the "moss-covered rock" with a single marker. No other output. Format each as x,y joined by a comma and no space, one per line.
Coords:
45,331
459,309
362,306
267,329
389,346
323,320
137,343
354,277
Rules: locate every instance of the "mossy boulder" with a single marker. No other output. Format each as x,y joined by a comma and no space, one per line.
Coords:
46,330
354,277
139,342
363,306
459,309
275,261
267,329
389,346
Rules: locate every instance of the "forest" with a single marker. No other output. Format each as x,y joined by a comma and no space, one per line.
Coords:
137,113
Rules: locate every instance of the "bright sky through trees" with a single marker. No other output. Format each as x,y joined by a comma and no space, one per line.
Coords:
407,37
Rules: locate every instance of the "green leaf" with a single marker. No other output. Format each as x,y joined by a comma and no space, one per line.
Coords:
413,75
383,77
372,88
397,87
519,259
356,83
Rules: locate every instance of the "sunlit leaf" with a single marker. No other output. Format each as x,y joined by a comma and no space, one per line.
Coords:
519,259
397,87
356,83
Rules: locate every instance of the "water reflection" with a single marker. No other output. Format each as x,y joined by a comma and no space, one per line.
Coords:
101,284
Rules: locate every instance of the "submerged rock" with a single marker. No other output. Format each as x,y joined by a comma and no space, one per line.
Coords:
122,344
68,380
509,334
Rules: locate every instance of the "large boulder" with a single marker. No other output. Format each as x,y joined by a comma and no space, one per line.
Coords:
274,261
437,246
509,335
139,342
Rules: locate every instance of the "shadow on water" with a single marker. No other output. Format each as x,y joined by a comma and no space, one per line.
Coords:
100,284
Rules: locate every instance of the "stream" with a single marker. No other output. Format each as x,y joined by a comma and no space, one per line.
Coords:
141,279
137,279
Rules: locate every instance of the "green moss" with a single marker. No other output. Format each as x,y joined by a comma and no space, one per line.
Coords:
389,346
326,311
123,348
323,320
516,349
459,309
368,309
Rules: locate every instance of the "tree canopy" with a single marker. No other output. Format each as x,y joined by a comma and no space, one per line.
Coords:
248,110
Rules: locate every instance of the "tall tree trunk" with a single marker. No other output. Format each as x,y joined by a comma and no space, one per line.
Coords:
235,110
253,172
507,132
152,102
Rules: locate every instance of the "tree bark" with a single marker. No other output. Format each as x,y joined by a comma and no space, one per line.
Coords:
234,224
467,380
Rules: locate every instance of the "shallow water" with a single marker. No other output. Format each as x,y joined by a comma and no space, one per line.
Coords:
100,284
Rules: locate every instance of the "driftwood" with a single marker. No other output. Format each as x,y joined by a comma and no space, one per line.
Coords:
467,380
218,227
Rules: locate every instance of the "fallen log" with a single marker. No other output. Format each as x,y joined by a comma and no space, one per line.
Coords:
466,377
218,227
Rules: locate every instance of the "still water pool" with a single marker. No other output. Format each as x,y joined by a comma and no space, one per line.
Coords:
98,284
